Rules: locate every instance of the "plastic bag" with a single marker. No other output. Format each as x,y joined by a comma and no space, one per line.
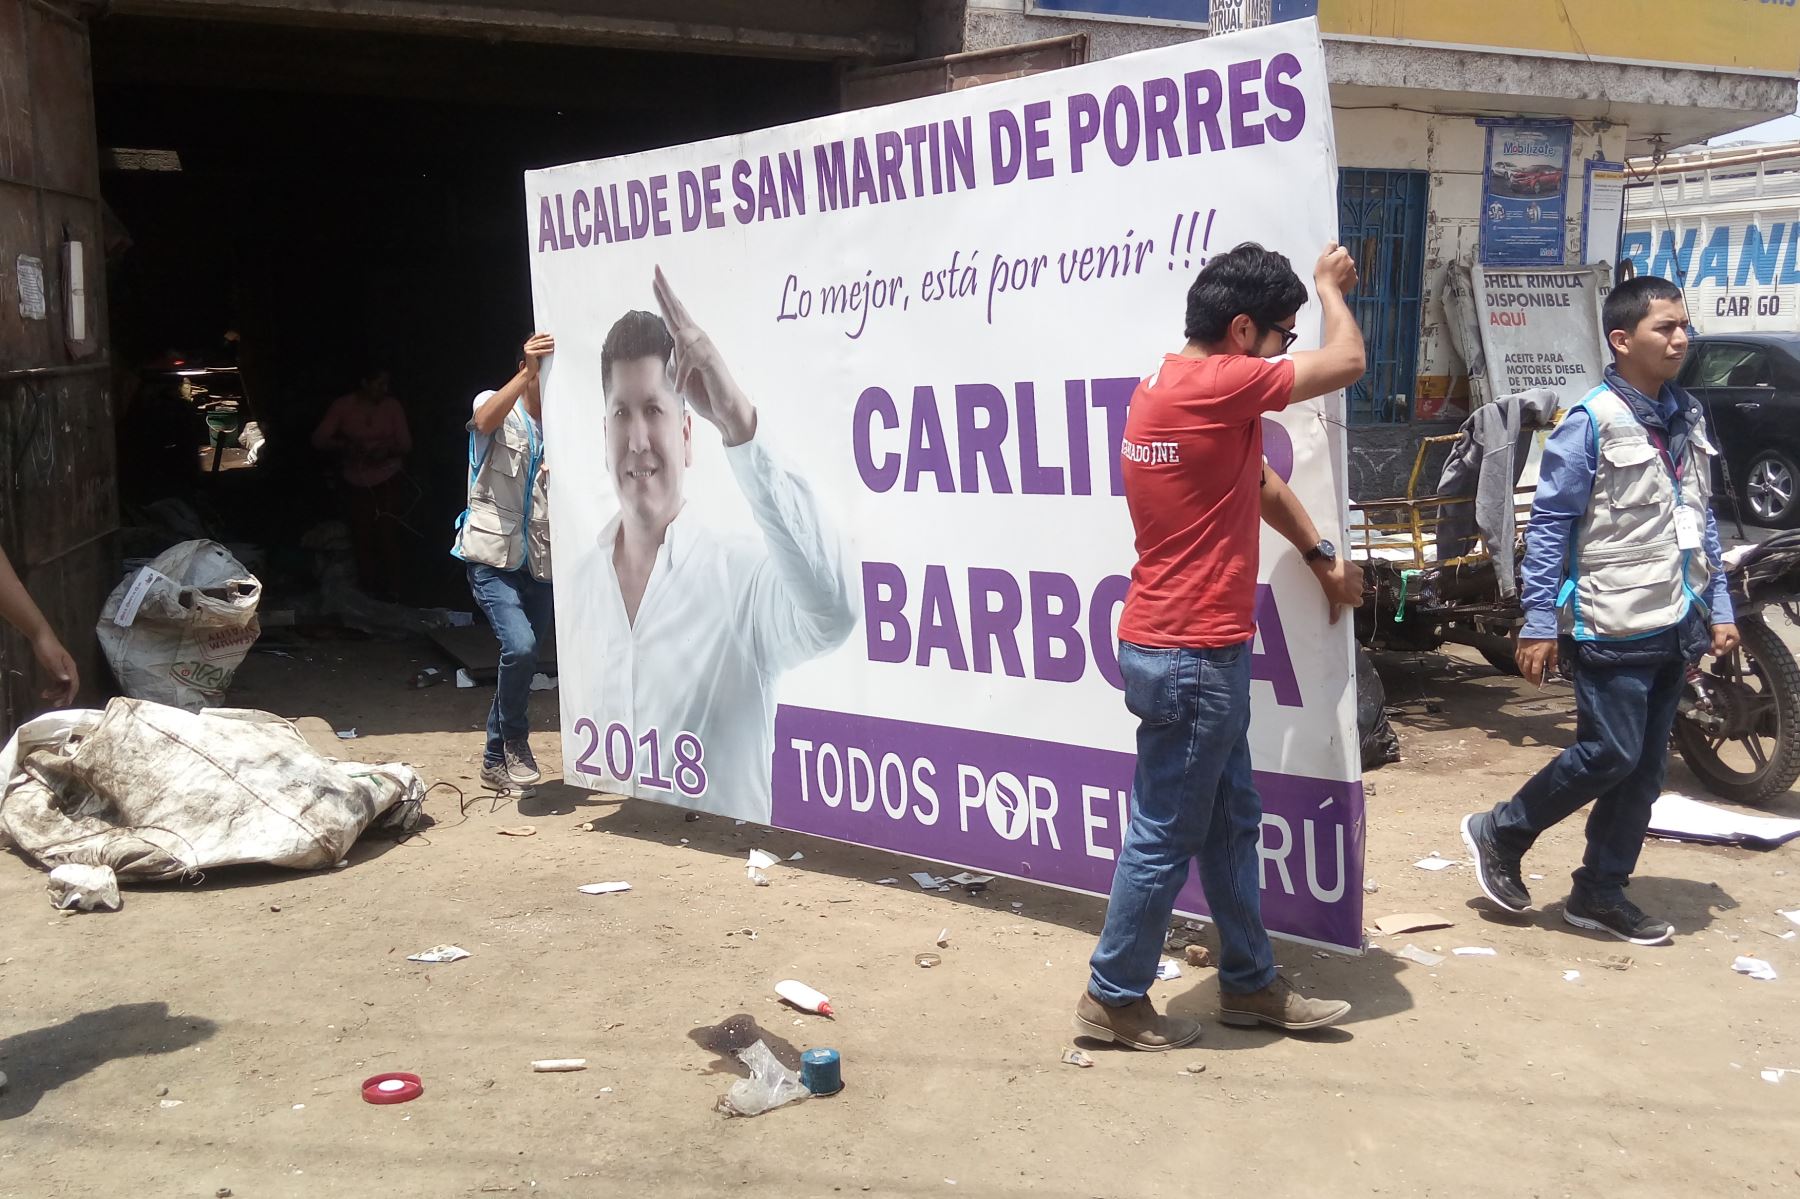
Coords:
88,888
1380,745
770,1085
176,631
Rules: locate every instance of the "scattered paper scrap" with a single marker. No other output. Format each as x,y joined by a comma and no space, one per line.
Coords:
1686,819
1475,951
760,860
542,682
1410,922
1166,970
347,735
1075,1057
1793,915
1754,967
1413,953
758,877
464,679
170,1103
965,879
1537,878
518,830
1434,863
439,953
1774,1073
928,881
603,888
796,856
884,882
1570,976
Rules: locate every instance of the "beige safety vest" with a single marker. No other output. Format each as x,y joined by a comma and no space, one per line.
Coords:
507,521
1626,575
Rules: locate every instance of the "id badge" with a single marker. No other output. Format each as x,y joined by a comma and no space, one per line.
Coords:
1687,529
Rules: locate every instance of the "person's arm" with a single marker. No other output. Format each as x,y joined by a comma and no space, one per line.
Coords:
490,415
1341,579
327,436
800,599
400,442
20,611
1339,360
1565,485
1724,613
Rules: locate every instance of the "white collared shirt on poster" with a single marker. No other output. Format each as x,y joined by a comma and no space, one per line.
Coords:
722,617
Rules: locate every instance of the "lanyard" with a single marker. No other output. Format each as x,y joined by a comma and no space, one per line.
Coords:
1662,449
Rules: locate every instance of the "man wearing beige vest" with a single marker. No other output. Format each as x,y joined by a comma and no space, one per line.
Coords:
504,537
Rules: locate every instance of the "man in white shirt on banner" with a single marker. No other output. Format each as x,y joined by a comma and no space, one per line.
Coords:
686,630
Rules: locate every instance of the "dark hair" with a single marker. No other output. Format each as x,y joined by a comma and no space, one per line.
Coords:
635,335
1248,281
1629,303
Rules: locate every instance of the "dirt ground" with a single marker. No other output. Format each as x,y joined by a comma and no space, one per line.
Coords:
215,1036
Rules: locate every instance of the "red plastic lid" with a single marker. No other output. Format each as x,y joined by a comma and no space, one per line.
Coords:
392,1088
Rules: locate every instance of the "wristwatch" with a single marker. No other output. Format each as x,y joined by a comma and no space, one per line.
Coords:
1322,552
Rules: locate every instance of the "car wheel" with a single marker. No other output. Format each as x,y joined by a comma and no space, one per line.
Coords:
1772,489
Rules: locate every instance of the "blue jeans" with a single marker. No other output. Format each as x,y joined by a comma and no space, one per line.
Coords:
1623,714
1192,797
519,609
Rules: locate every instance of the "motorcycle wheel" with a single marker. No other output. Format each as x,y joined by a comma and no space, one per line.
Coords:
1760,684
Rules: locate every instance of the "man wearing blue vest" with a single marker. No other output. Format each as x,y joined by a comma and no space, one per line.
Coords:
1622,583
504,536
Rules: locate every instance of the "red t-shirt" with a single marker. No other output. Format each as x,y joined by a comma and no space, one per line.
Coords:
1192,461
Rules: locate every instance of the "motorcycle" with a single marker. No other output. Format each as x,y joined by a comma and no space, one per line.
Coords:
1738,725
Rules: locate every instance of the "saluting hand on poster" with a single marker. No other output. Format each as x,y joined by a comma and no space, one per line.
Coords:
699,371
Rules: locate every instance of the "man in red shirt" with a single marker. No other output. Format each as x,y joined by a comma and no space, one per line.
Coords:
1197,489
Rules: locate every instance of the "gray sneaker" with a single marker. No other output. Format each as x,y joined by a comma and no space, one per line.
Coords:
521,767
497,780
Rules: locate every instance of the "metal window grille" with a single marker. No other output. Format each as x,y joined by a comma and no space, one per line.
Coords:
1381,220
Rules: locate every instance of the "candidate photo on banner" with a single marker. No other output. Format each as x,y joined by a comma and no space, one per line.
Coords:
691,629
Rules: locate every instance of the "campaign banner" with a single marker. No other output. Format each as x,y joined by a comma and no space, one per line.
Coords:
1542,329
834,433
1525,197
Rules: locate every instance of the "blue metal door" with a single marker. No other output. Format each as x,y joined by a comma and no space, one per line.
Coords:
1381,220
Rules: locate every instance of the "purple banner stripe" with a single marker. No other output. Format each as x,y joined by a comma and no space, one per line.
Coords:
1049,813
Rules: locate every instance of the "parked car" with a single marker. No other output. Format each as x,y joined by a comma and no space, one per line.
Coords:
1749,384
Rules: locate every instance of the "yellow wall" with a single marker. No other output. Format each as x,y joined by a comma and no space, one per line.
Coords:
1758,35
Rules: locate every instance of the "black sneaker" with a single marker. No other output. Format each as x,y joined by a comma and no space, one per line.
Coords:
1619,917
521,766
1495,869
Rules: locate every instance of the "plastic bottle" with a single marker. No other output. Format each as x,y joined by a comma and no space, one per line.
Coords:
803,997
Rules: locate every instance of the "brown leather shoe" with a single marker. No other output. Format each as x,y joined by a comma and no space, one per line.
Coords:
1135,1025
1281,1005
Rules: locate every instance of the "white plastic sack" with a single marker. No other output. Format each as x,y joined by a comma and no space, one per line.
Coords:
158,793
84,889
176,631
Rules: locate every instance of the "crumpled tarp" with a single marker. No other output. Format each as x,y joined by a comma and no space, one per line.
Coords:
158,793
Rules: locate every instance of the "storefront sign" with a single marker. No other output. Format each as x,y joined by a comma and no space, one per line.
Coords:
1602,211
1541,329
